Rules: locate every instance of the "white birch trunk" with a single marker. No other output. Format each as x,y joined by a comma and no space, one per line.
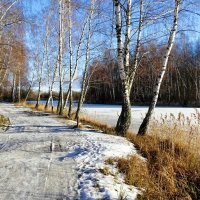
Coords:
77,57
13,88
60,57
50,97
124,120
71,59
19,87
29,89
44,58
137,48
87,58
49,84
144,126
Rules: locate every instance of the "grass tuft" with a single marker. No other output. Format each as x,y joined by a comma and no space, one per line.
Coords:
4,122
97,125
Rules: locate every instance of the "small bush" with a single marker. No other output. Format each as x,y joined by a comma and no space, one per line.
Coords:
4,122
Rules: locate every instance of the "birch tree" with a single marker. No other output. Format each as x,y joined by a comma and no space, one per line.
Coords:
6,60
52,64
125,72
13,88
44,59
70,59
51,87
29,88
124,120
17,66
10,32
87,58
77,58
3,14
19,85
60,58
144,126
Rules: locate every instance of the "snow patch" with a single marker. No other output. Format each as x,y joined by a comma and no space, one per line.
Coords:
90,156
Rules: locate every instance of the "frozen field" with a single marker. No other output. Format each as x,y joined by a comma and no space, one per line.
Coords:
109,114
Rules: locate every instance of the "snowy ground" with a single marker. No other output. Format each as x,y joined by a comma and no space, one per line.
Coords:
109,114
42,157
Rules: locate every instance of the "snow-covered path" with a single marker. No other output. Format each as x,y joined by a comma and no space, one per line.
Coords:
41,157
29,168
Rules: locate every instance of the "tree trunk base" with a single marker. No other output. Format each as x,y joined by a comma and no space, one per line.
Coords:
144,126
124,121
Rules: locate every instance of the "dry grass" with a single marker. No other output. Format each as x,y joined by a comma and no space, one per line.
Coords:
97,125
42,108
172,167
104,170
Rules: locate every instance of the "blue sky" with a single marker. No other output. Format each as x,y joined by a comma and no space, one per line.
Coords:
36,8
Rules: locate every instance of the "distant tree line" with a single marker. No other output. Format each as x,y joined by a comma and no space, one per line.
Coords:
181,84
